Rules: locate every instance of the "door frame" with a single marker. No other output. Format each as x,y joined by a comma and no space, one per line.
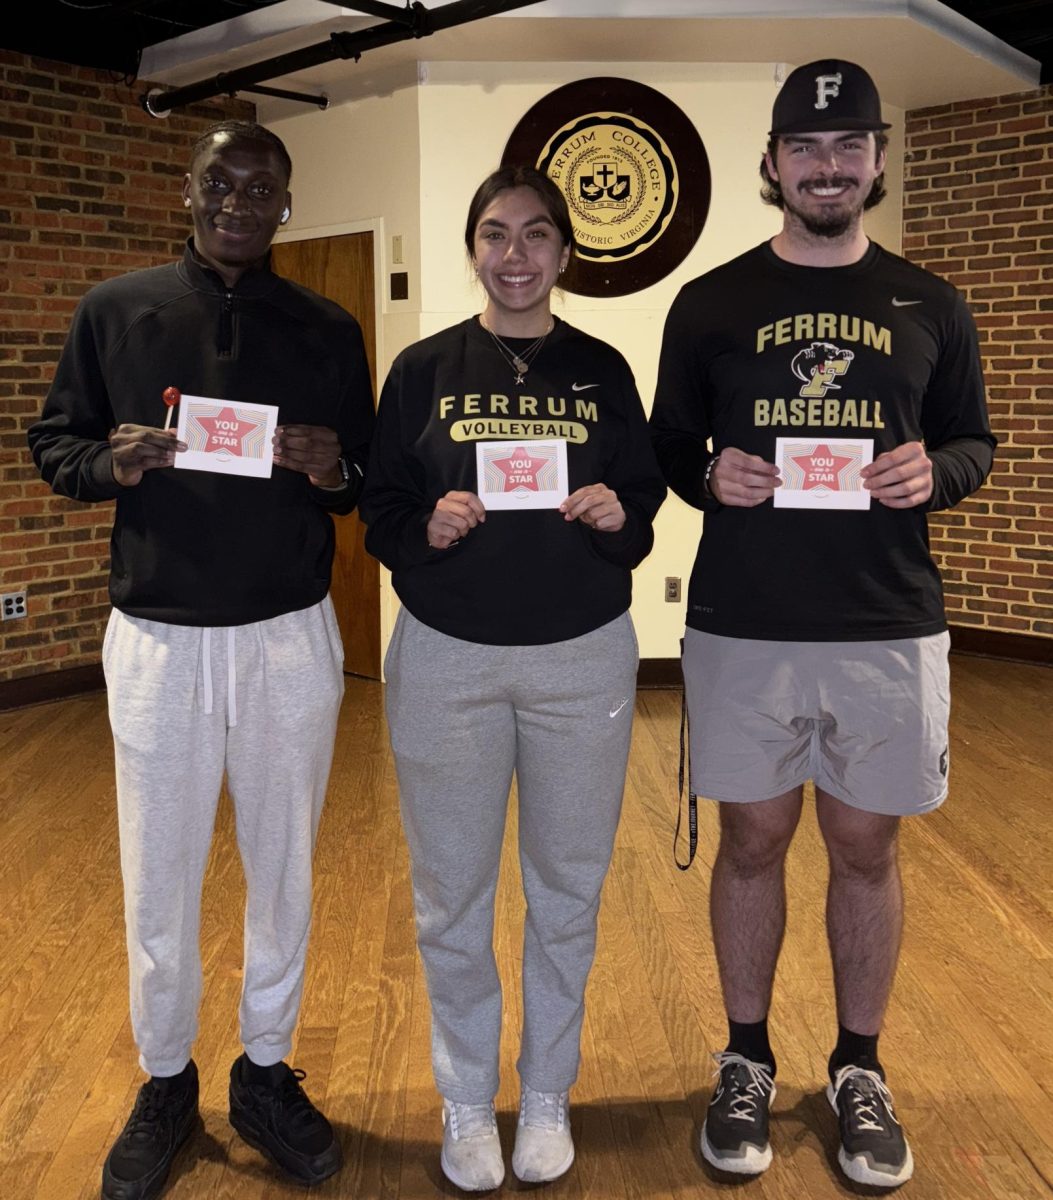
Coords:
375,226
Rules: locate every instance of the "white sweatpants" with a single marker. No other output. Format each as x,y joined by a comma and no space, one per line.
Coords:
186,704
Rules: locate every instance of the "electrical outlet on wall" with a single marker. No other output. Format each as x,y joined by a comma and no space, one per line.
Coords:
672,589
13,605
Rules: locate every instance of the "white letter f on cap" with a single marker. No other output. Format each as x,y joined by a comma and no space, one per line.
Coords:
827,88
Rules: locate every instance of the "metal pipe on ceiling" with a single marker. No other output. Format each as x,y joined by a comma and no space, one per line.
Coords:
258,89
158,102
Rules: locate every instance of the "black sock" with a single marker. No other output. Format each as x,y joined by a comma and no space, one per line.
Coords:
254,1073
174,1081
750,1039
857,1049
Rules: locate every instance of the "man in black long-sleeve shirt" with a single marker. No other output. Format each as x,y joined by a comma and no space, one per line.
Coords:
841,389
220,585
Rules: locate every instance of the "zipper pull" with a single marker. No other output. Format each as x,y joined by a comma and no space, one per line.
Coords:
225,341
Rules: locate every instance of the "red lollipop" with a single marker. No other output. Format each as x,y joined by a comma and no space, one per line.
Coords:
171,396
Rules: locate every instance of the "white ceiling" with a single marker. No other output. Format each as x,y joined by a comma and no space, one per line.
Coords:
920,52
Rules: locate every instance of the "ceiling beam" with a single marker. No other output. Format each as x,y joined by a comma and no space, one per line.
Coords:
158,102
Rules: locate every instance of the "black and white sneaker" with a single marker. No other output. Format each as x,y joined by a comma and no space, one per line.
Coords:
163,1117
873,1148
271,1111
735,1135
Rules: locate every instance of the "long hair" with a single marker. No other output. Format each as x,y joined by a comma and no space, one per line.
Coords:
505,178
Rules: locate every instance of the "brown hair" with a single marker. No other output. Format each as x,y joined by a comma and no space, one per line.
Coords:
506,178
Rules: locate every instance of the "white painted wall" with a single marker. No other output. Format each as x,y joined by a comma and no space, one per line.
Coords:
358,163
412,159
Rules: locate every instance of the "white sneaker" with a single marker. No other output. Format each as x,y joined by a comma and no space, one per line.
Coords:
544,1147
471,1149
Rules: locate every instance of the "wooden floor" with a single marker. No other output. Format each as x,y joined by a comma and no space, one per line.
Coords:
968,1043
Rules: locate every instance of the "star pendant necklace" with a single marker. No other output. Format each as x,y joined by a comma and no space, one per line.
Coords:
520,363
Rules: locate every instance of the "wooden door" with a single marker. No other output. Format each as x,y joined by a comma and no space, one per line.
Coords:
342,269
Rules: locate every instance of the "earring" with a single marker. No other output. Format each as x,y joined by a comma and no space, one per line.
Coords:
286,214
186,202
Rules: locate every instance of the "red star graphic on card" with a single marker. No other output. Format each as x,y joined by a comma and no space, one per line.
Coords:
822,468
225,431
520,470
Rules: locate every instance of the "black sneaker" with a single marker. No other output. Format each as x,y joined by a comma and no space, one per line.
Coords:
162,1119
873,1148
735,1135
272,1113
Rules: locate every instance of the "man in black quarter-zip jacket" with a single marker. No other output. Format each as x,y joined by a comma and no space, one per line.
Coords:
216,577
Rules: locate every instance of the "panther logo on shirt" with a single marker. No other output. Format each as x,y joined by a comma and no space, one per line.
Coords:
819,366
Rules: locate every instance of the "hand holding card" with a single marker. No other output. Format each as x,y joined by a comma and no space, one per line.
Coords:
901,477
597,506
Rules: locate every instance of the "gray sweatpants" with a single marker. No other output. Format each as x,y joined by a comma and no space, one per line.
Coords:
462,717
186,704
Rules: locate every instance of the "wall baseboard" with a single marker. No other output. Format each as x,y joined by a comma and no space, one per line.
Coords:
984,643
51,685
993,643
659,673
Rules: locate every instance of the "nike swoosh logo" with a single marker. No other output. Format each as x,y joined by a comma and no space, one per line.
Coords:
582,387
903,303
616,711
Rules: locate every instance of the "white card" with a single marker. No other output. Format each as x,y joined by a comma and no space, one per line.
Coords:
822,472
521,475
226,437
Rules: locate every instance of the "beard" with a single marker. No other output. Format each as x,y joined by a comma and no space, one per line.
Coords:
835,219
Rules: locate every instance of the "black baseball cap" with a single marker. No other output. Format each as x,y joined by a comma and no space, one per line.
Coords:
828,94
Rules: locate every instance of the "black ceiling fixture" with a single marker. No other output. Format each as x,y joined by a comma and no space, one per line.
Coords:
401,24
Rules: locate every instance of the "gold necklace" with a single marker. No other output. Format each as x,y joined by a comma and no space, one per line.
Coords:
520,363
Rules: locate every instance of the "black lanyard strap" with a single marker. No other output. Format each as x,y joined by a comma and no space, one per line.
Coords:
682,775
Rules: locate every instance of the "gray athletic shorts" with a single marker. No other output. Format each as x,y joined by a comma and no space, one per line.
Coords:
867,721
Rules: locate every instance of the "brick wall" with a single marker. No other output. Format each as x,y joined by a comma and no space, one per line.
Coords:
89,188
979,211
